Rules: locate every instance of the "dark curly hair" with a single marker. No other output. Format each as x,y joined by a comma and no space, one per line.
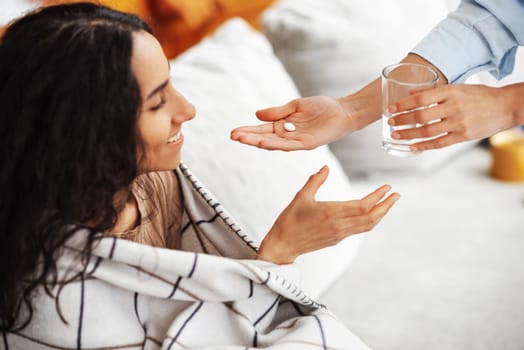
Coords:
68,141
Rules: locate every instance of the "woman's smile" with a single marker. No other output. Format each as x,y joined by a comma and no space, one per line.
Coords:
176,139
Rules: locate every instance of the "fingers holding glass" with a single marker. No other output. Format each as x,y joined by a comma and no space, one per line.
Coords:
426,131
436,143
399,83
419,97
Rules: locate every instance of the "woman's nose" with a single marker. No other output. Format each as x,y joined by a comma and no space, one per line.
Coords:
184,110
190,110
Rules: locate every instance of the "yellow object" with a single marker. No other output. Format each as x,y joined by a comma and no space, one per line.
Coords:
507,155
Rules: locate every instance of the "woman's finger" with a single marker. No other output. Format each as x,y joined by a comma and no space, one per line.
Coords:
314,182
371,199
253,129
366,222
277,113
353,208
271,142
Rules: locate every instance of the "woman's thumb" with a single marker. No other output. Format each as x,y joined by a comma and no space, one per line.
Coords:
276,113
314,182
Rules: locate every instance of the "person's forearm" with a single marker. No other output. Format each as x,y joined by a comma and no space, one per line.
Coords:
414,58
365,105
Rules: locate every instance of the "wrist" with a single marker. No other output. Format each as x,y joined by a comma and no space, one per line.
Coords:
274,251
414,58
515,94
364,106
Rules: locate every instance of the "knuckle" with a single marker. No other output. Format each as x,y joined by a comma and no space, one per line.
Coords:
362,208
461,127
328,216
330,238
263,144
419,119
453,110
459,109
371,222
440,143
368,227
338,237
332,241
426,131
336,228
298,195
419,99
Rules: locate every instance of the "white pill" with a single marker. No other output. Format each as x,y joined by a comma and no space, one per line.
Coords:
289,126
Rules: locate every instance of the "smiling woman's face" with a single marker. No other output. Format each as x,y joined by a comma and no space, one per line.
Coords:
163,111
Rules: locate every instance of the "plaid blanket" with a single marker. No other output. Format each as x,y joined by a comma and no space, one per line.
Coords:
217,296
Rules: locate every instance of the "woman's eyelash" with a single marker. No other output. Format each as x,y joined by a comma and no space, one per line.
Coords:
159,105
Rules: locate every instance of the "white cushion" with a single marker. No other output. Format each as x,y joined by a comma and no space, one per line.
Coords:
11,9
228,76
335,47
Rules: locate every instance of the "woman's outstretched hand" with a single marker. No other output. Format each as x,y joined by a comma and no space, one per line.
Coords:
318,120
307,225
464,112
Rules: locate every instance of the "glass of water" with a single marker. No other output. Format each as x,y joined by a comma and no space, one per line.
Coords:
399,81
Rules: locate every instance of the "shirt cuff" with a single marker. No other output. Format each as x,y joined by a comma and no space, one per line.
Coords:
455,50
468,41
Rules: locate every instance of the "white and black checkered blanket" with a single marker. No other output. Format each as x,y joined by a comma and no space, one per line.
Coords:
134,296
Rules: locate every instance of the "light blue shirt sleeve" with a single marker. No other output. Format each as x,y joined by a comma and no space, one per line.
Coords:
480,35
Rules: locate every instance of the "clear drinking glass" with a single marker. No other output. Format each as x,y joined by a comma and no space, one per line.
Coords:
399,81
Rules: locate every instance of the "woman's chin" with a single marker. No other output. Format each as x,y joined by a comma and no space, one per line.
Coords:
172,164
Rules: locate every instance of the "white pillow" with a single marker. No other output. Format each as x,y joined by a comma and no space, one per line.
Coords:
335,47
11,9
228,76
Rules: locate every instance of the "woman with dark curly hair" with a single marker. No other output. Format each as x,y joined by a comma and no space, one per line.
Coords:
107,240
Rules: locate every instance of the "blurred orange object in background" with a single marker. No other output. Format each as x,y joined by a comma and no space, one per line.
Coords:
507,155
179,24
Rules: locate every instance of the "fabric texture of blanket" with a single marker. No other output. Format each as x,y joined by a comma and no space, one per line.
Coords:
212,294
